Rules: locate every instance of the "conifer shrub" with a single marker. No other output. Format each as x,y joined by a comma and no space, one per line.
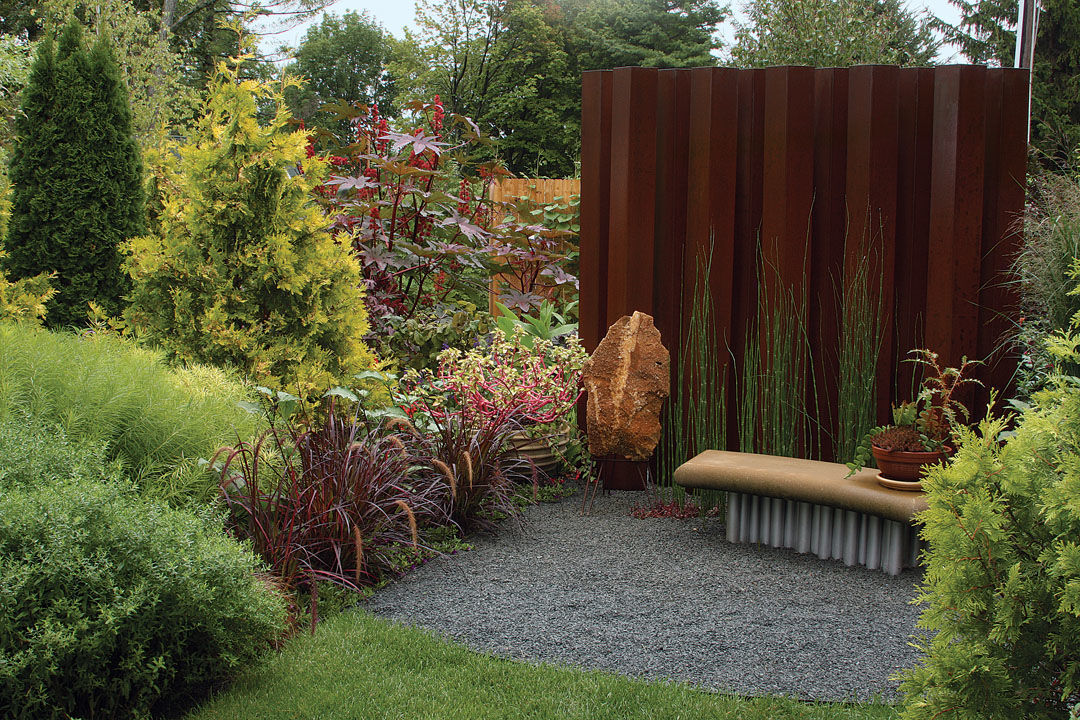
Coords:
112,606
1002,583
241,270
76,178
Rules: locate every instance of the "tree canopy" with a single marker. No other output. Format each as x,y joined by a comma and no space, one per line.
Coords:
833,33
648,33
515,66
343,58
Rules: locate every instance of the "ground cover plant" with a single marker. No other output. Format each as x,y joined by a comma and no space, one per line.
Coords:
156,421
361,668
695,418
112,605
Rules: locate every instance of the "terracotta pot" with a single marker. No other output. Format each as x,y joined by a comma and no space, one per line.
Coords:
543,452
903,470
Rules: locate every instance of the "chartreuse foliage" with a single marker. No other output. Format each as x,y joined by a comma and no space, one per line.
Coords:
241,270
1002,584
23,299
112,606
156,421
76,178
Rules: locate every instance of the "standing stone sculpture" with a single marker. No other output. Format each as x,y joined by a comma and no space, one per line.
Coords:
627,379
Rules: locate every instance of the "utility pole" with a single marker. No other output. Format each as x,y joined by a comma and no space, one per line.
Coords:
1027,24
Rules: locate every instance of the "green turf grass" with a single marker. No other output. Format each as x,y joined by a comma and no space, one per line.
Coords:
361,667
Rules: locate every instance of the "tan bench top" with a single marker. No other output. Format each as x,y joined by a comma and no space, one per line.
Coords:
810,481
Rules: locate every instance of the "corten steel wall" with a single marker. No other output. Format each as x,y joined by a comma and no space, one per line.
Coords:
925,166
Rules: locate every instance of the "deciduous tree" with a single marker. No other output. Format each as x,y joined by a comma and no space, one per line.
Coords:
832,33
343,58
515,65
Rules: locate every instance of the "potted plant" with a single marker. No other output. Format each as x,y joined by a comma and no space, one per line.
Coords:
921,429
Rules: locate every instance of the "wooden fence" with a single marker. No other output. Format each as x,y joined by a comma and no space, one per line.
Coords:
812,166
538,192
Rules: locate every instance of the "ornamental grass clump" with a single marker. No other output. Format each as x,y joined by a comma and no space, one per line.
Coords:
331,502
696,418
155,420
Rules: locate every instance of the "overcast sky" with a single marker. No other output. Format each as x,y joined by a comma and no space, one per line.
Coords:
395,15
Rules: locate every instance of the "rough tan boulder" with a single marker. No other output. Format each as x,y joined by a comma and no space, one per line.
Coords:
627,379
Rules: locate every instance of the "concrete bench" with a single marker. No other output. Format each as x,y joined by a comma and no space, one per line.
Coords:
809,506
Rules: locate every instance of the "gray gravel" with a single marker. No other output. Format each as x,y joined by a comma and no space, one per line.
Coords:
666,599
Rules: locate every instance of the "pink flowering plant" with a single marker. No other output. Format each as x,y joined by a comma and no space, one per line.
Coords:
535,382
414,205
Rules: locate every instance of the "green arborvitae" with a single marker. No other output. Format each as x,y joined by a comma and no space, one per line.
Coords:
76,178
241,270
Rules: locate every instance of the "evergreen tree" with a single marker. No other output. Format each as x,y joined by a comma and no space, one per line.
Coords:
76,177
605,34
241,269
1001,592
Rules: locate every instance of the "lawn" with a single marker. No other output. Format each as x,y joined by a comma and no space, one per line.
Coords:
359,667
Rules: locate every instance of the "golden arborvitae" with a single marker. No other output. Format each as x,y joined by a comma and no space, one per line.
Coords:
241,270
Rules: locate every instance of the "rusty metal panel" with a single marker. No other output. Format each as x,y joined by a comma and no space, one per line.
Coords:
633,192
672,158
673,141
749,172
632,215
956,200
710,199
788,181
916,107
872,175
1002,224
595,204
829,231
